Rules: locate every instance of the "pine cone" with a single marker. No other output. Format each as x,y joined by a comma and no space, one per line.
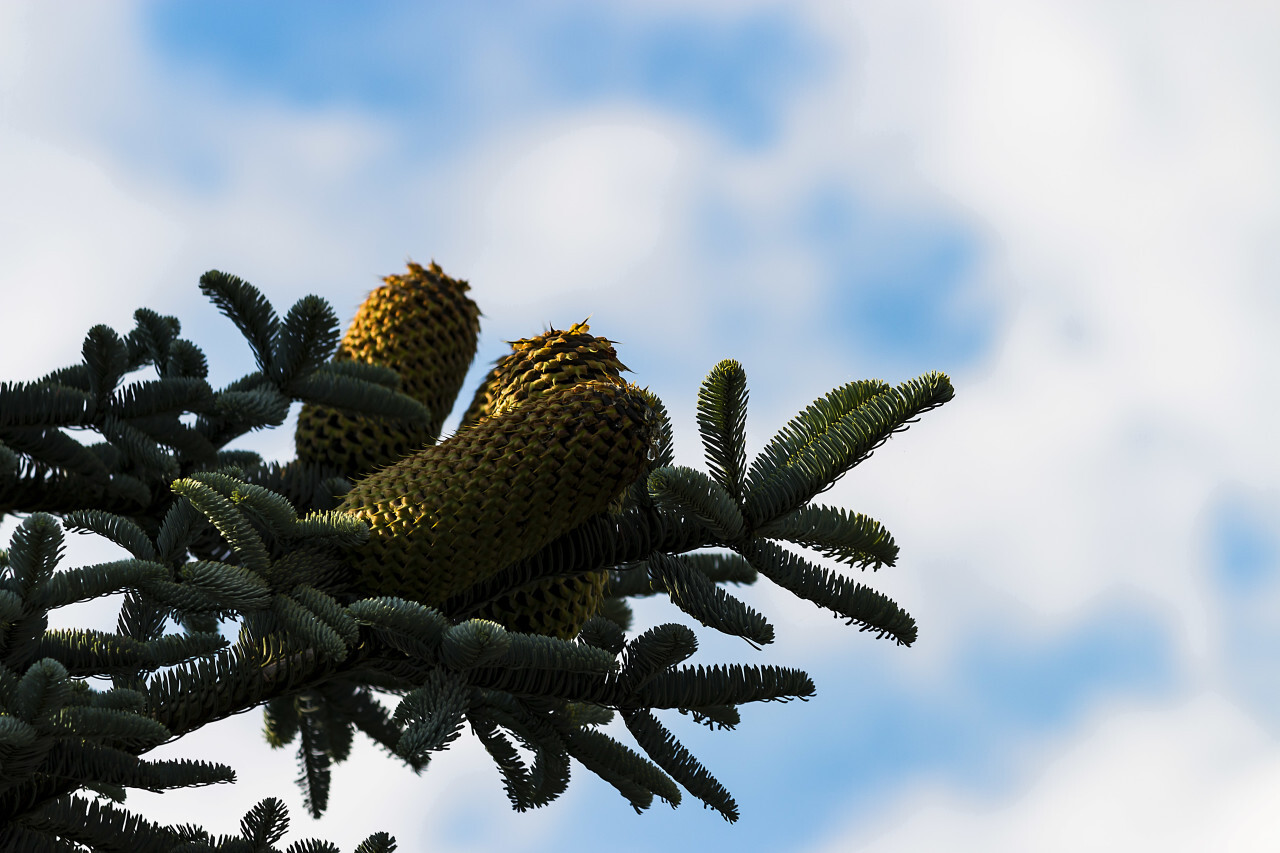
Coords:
454,514
557,606
554,359
423,326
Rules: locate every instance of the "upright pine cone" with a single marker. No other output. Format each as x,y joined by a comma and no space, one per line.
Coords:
554,359
423,326
454,514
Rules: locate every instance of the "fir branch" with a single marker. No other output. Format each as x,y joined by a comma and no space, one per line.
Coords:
16,837
807,427
340,390
722,421
109,724
715,717
299,621
548,777
190,444
140,618
379,842
124,532
11,605
536,651
211,688
270,511
245,306
89,582
305,341
696,494
848,537
222,586
636,778
601,541
617,611
241,411
329,611
180,523
152,337
170,396
76,760
43,404
56,449
313,758
100,826
733,684
72,376
357,704
14,735
655,651
871,610
341,529
265,824
723,568
669,754
228,520
431,715
695,594
107,360
413,628
363,371
280,721
87,653
8,465
137,447
832,436
185,360
602,634
633,580
34,551
476,642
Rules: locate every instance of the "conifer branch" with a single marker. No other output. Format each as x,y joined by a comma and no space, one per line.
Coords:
722,420
282,551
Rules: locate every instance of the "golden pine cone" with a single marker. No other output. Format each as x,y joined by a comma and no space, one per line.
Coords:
423,326
554,359
454,514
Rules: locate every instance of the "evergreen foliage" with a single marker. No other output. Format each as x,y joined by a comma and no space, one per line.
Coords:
408,592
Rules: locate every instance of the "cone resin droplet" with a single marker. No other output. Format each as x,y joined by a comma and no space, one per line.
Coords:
452,515
422,325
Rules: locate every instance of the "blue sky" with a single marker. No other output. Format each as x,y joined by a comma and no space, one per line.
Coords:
1061,208
426,66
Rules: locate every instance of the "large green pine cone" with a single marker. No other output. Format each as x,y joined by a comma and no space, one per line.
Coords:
454,514
425,327
539,365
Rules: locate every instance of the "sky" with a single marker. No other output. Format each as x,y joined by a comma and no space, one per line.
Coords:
1070,208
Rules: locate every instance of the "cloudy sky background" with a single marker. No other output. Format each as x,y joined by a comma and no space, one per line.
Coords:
1069,207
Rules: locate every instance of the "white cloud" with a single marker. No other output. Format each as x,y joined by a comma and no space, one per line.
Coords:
1198,775
575,208
1079,455
1118,160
